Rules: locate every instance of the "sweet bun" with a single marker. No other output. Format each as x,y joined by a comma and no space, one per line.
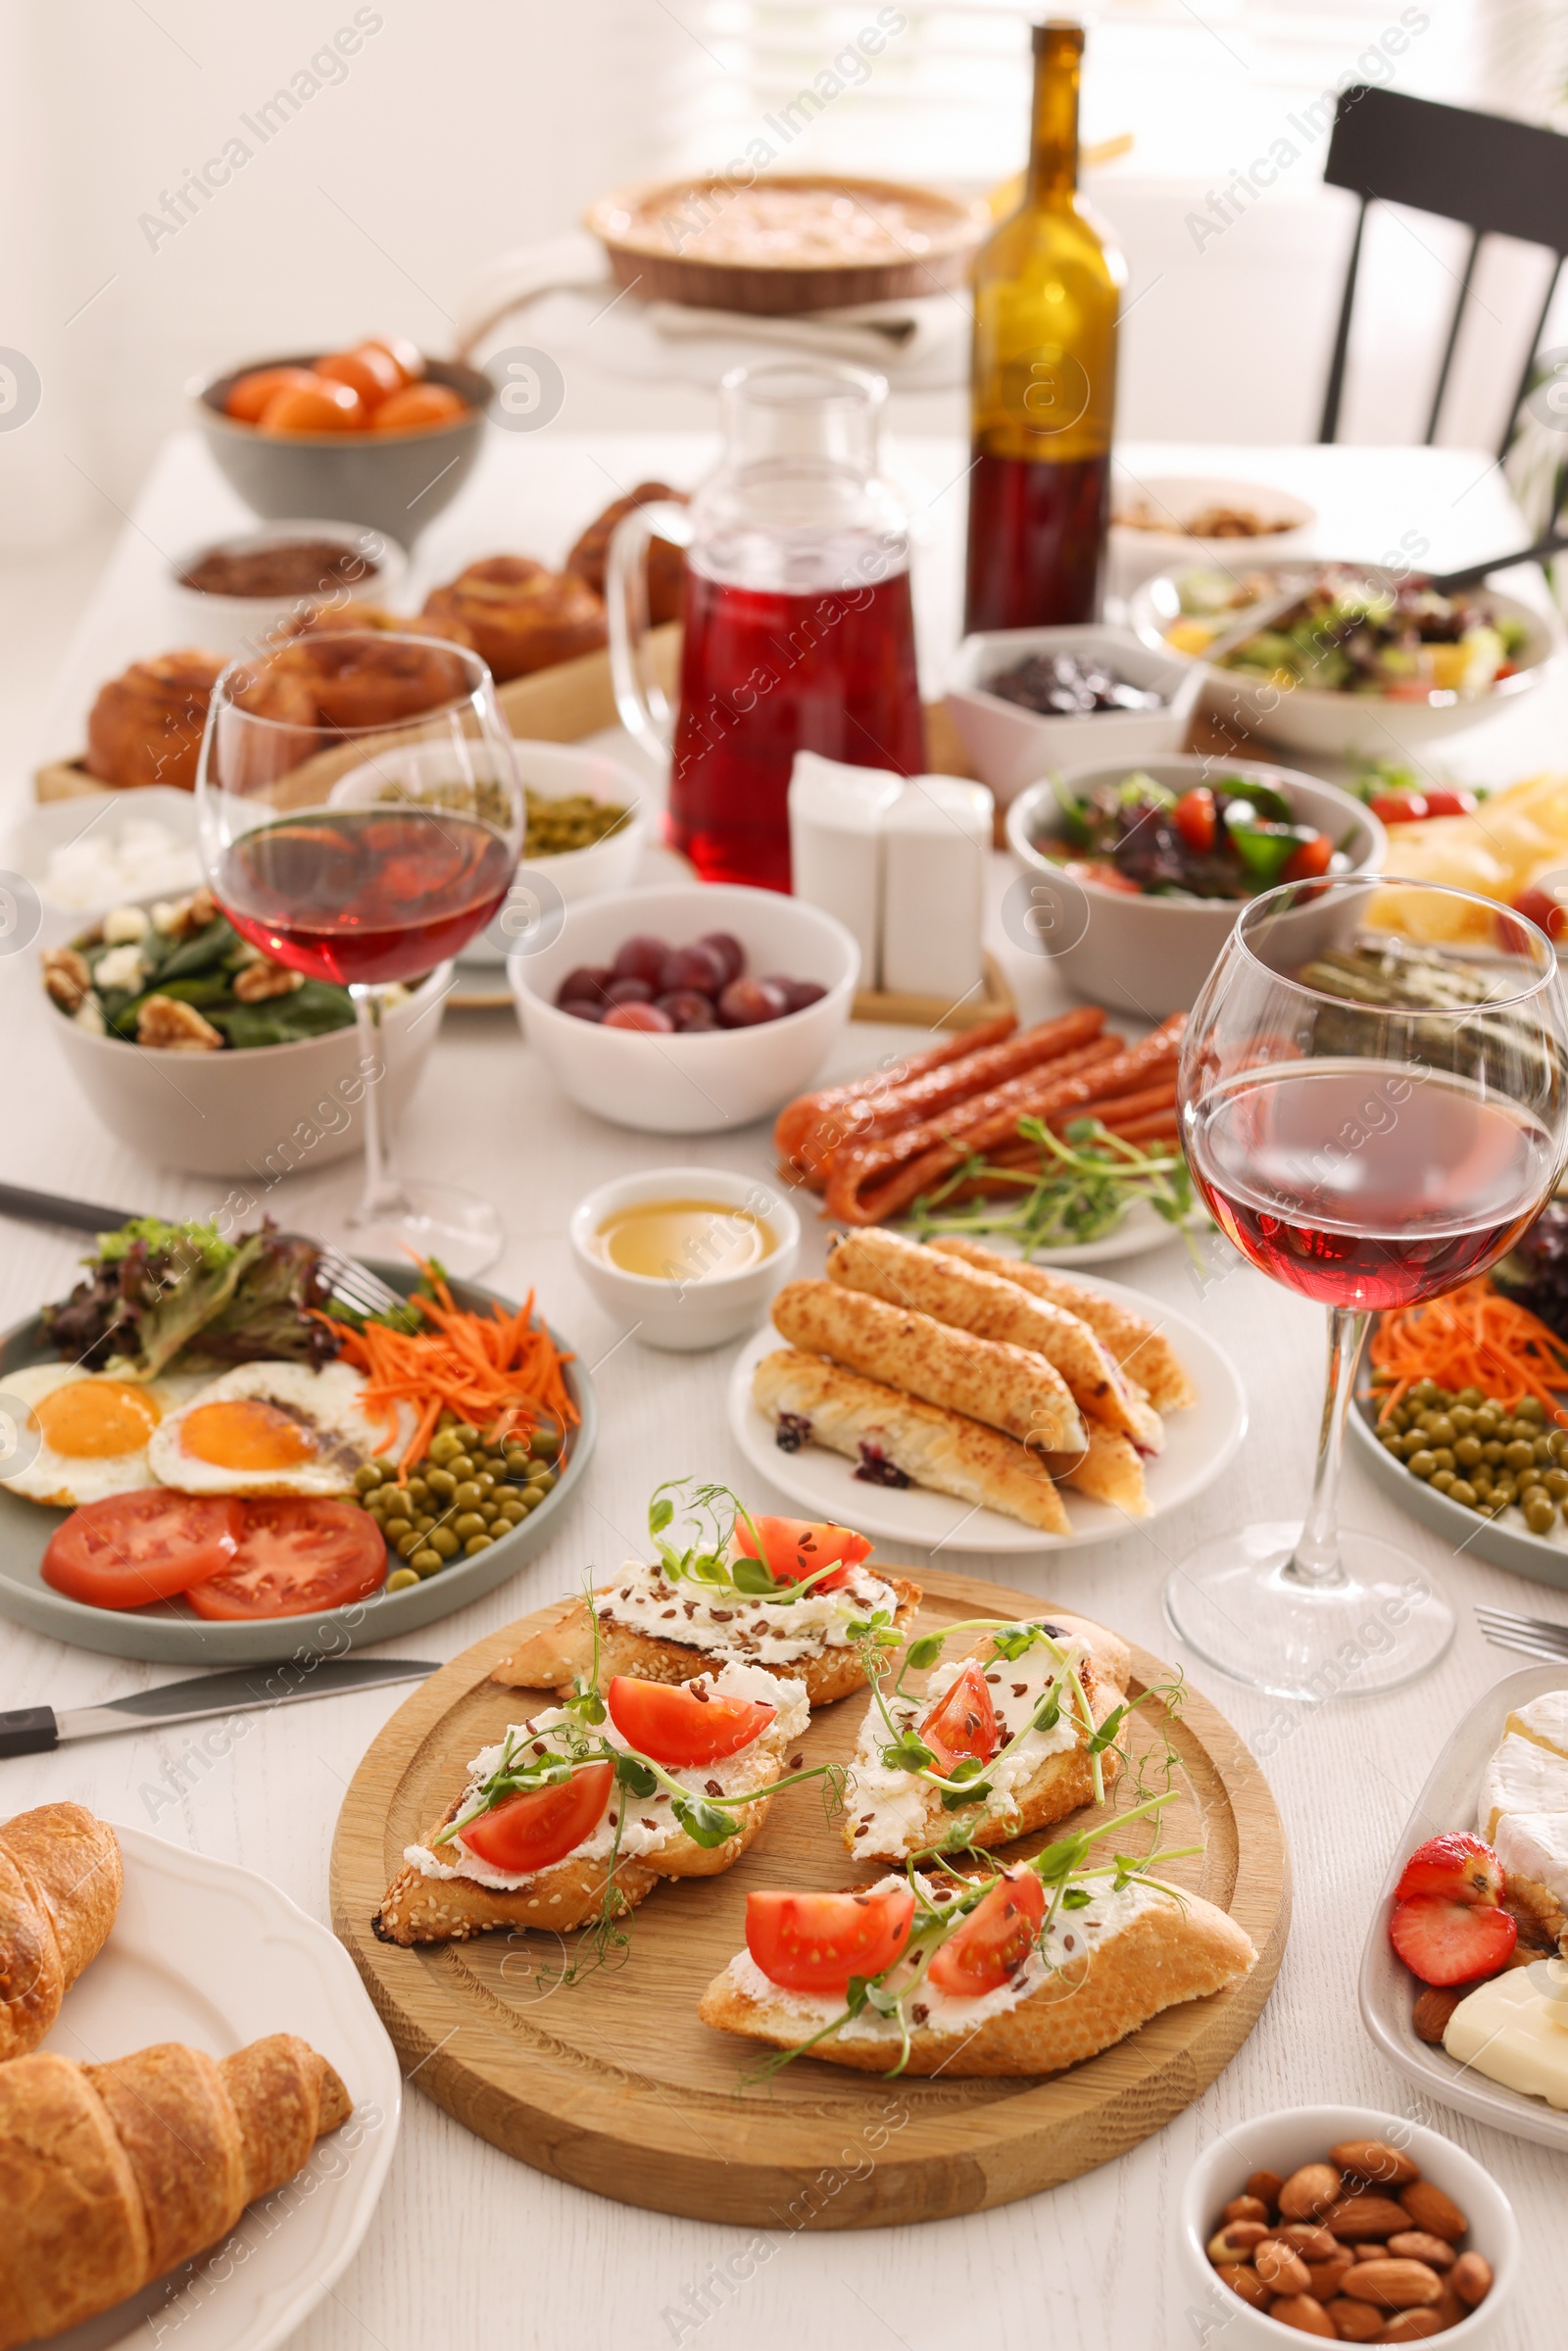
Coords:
519,616
667,565
146,726
347,670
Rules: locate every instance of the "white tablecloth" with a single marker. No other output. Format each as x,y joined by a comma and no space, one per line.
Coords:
469,2249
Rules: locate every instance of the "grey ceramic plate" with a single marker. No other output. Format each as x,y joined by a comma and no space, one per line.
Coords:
173,1635
1543,1560
1387,1988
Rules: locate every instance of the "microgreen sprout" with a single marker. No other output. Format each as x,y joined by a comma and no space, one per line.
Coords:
711,1559
1081,1189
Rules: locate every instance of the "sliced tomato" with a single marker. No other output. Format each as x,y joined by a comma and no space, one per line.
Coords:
793,1548
296,1558
132,1549
529,1832
963,1721
679,1726
995,1939
1194,817
1544,909
815,1943
1403,808
1442,801
1102,872
1309,860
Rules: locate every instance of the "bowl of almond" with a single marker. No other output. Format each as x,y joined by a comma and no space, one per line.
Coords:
1350,2225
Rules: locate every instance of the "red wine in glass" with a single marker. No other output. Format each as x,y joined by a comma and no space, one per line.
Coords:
767,673
1365,1183
364,895
1037,540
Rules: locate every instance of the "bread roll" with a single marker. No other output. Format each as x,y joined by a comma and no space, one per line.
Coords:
146,726
519,616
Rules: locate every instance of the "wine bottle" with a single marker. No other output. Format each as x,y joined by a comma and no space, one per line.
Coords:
1046,289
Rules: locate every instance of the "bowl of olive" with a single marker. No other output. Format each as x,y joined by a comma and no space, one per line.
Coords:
1489,1476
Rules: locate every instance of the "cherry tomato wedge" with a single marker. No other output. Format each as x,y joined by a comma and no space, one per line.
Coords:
529,1832
995,1939
1195,820
815,1943
132,1549
793,1548
1442,801
1309,860
679,1726
1102,872
963,1721
1403,808
295,1558
1544,909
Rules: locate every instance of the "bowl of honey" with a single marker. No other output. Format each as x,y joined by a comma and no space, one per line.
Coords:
687,1257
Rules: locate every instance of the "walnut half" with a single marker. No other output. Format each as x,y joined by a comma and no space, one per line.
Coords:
259,981
176,1027
66,976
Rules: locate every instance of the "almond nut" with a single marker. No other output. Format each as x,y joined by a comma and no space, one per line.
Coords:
1326,2279
1429,2208
1313,2244
1265,2187
1418,2244
1304,2313
1471,2278
1374,2160
1358,2321
1234,2241
1394,2285
1245,2208
1370,2216
1449,2307
1433,2009
1244,2279
1410,2327
1281,2269
1307,2193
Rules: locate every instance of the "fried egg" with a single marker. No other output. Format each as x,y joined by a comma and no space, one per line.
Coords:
84,1433
270,1428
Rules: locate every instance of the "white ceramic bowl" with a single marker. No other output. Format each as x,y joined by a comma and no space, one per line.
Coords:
235,624
109,818
1150,955
1281,2142
265,1113
1012,748
1180,498
1349,726
687,1309
689,1085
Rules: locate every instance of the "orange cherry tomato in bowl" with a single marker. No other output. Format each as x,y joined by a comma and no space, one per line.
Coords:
366,369
995,1939
678,1726
404,356
815,1943
249,395
151,1545
317,405
1309,860
419,408
544,1824
963,1723
794,1548
296,1558
1195,819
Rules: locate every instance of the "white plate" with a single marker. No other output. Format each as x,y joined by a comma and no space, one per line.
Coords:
1387,1988
1139,1231
1198,1445
210,1954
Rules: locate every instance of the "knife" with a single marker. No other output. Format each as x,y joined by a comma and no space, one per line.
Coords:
39,1730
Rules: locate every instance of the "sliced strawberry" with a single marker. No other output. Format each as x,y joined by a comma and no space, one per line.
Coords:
1451,1943
1457,1866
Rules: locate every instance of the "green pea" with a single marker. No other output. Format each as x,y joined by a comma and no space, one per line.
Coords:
419,1492
1441,1479
1519,1455
548,1479
1463,1419
529,1498
468,1435
475,1544
1394,1443
1556,1482
489,1511
424,1523
1541,1450
1422,1464
1461,1490
486,1480
468,1495
1493,1451
441,1482
1486,1422
510,1513
1442,1454
425,1562
459,1465
1540,1515
1471,1396
396,1528
1530,1407
443,1543
407,1545
1467,1452
443,1446
517,1460
402,1579
1505,1489
366,1477
1441,1429
546,1443
467,1526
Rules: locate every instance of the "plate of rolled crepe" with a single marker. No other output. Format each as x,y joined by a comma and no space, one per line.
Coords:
198,2102
947,1397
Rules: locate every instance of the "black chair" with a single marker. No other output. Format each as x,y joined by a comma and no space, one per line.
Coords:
1499,177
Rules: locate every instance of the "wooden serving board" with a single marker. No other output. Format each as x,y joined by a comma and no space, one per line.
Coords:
614,2084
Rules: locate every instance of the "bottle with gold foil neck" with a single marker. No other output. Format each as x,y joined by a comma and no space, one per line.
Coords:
1047,291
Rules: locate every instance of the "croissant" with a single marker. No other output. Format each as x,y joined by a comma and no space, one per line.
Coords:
519,616
667,565
59,1885
146,726
111,2175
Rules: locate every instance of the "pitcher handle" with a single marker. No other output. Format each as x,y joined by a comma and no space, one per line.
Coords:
640,699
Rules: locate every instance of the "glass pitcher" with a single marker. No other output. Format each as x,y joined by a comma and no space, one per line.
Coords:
798,633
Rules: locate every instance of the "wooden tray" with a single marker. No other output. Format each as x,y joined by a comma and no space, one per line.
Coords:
614,2084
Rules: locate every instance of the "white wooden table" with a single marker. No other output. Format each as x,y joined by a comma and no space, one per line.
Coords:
468,2248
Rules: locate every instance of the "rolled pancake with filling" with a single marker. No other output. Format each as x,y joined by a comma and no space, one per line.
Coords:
1139,1345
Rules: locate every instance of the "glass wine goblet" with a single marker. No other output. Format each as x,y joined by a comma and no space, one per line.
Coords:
360,816
1373,1106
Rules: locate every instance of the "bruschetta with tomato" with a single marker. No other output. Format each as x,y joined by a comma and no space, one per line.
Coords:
1019,1972
795,1596
575,1815
1015,1730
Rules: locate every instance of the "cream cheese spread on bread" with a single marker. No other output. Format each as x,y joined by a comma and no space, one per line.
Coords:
776,1632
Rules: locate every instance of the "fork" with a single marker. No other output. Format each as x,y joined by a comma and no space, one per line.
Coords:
1534,1636
355,1286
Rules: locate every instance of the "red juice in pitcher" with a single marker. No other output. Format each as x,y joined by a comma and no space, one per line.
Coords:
767,673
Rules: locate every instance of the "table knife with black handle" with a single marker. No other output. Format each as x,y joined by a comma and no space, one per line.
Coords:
39,1730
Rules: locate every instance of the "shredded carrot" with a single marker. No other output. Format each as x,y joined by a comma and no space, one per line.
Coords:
1474,1338
501,1372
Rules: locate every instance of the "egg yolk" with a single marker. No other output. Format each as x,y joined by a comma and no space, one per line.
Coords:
246,1432
93,1420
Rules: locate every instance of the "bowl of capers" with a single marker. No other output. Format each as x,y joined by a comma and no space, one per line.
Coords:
1488,1472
